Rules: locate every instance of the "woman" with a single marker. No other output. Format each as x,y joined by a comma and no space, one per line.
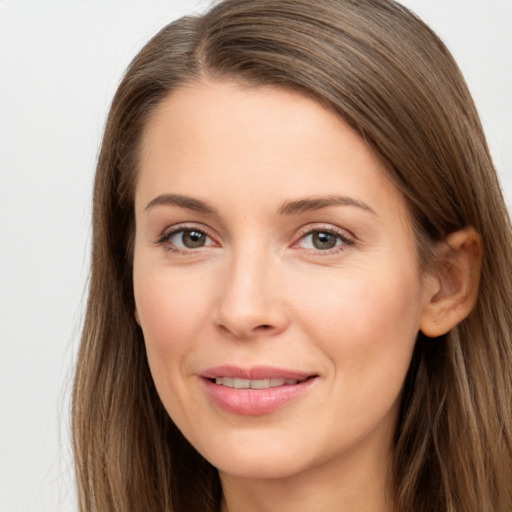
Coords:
301,273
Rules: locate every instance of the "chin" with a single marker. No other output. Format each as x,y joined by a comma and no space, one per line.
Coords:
264,455
268,466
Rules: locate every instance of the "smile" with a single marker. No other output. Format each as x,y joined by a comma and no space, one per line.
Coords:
238,383
255,391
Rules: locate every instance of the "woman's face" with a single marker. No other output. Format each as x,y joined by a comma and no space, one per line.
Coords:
276,281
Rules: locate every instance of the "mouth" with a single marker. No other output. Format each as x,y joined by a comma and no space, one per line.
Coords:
255,391
239,383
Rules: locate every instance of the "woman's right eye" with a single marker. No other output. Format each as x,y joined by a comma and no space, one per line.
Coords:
187,239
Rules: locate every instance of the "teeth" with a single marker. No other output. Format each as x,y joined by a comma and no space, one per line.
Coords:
241,383
261,384
254,384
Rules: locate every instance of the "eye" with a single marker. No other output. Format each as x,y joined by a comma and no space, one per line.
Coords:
187,239
323,240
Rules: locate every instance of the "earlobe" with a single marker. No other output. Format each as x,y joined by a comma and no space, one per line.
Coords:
136,315
457,277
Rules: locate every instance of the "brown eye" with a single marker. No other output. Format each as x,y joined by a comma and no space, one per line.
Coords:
188,239
193,239
323,240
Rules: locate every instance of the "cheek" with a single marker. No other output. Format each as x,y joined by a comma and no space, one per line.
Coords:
171,309
368,331
364,322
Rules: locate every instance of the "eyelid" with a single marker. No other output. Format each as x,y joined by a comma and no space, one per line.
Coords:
347,238
170,231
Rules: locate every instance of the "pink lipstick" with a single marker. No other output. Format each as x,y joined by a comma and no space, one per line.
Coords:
255,391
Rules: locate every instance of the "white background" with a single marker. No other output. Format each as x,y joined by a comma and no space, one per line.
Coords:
60,62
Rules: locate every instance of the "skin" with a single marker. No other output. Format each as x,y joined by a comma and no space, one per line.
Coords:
259,292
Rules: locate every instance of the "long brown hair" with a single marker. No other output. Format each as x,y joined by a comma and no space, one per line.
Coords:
386,74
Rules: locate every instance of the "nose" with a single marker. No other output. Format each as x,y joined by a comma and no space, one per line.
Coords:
251,302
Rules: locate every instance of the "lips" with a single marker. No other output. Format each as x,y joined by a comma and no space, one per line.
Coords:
255,391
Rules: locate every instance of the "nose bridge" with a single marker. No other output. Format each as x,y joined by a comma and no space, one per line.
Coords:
249,303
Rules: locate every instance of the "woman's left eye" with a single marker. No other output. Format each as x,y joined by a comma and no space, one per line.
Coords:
323,240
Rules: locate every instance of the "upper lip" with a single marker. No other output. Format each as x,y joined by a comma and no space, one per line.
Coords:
254,373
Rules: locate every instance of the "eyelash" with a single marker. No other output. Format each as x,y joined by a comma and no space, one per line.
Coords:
342,236
345,238
165,238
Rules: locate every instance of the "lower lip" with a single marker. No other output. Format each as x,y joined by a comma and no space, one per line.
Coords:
254,402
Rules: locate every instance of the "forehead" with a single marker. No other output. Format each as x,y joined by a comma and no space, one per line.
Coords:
227,114
223,139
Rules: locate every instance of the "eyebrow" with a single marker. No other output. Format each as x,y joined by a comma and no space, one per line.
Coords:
183,202
288,208
316,203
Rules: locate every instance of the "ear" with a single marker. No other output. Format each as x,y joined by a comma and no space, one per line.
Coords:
453,283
